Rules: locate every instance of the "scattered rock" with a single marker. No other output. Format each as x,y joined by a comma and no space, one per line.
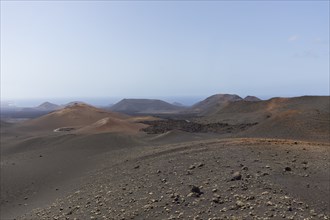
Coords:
200,164
191,167
236,176
215,199
196,190
287,169
245,168
239,204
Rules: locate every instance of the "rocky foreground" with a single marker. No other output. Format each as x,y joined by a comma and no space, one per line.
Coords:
214,179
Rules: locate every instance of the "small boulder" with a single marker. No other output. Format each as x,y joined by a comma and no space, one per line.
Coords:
287,169
196,191
191,167
236,176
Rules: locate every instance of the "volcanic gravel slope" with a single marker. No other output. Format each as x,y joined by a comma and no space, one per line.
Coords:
209,179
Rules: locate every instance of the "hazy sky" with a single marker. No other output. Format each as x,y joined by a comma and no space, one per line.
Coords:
156,49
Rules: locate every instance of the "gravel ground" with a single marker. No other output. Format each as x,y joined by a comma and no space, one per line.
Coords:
211,179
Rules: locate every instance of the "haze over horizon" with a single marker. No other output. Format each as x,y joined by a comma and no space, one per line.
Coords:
163,49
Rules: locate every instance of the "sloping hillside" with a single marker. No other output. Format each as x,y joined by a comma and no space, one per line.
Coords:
300,117
75,115
214,102
111,124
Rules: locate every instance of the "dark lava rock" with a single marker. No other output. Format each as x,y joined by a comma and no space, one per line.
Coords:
287,169
245,168
162,126
200,164
236,176
196,190
215,200
191,167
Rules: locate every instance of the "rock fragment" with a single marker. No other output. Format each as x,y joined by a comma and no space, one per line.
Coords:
236,176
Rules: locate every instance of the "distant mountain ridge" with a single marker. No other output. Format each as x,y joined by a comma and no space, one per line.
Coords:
305,116
74,103
48,106
211,102
251,98
177,104
151,106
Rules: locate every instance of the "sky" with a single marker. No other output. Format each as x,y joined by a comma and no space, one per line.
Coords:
133,49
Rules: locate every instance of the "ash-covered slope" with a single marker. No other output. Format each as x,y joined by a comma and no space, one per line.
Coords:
210,179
